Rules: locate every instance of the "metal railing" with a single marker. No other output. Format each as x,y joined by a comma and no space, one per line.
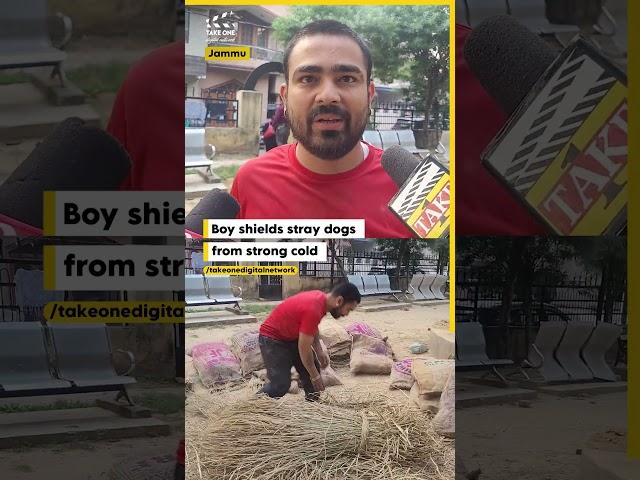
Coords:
584,298
215,113
401,117
369,263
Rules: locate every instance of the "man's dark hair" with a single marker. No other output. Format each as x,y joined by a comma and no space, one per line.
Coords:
348,291
327,27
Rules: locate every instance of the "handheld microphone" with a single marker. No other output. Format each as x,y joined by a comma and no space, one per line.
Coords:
217,204
563,152
72,157
423,200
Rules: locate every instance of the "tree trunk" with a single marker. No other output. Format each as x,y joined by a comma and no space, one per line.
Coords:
402,251
511,276
332,248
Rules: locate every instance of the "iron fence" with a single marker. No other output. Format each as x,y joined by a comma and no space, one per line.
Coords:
508,333
402,116
584,298
370,263
210,112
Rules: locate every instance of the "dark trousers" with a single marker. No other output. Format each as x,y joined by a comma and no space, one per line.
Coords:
278,358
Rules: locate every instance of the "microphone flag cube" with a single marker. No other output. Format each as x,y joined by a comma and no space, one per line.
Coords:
563,152
423,201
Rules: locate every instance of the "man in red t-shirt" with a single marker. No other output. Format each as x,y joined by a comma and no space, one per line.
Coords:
289,337
146,118
484,206
330,172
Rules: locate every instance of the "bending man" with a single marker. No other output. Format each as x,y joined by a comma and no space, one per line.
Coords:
289,336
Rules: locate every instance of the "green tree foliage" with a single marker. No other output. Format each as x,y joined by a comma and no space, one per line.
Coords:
407,42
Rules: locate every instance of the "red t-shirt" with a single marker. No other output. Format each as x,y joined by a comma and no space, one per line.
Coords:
300,313
147,119
276,186
484,206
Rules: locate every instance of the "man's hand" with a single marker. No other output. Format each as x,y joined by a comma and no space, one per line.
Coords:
323,359
318,384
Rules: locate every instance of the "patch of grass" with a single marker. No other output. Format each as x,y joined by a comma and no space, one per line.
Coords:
11,78
23,468
227,172
162,403
257,308
96,79
58,405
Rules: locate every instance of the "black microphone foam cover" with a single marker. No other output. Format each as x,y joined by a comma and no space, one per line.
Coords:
73,156
399,164
507,58
217,204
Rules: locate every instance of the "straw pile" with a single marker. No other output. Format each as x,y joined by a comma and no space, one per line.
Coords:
350,438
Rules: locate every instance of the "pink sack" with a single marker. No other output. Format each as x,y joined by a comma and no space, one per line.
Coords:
215,363
362,328
401,377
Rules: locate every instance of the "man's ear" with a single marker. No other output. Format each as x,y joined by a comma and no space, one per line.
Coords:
283,93
371,91
339,301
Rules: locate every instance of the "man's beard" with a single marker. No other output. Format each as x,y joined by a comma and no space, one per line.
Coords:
335,313
328,144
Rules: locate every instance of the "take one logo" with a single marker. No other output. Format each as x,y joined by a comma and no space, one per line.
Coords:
221,28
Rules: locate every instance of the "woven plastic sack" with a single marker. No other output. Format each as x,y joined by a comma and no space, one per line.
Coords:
432,375
445,420
362,328
215,363
370,355
401,377
245,346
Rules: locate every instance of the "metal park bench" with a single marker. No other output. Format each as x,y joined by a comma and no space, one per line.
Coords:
408,142
419,287
24,361
220,290
389,138
372,137
215,290
197,262
372,285
197,153
84,357
61,359
195,292
568,350
25,41
542,352
386,138
471,350
384,286
593,353
439,281
572,351
357,281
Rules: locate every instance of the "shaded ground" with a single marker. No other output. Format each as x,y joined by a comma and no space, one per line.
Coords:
509,442
91,460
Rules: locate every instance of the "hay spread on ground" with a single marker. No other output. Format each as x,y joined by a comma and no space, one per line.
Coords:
350,436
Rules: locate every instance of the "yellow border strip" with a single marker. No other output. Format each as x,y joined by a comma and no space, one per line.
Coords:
633,260
49,267
49,212
452,165
216,3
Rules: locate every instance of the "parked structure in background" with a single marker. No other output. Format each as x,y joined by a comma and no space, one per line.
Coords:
218,82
